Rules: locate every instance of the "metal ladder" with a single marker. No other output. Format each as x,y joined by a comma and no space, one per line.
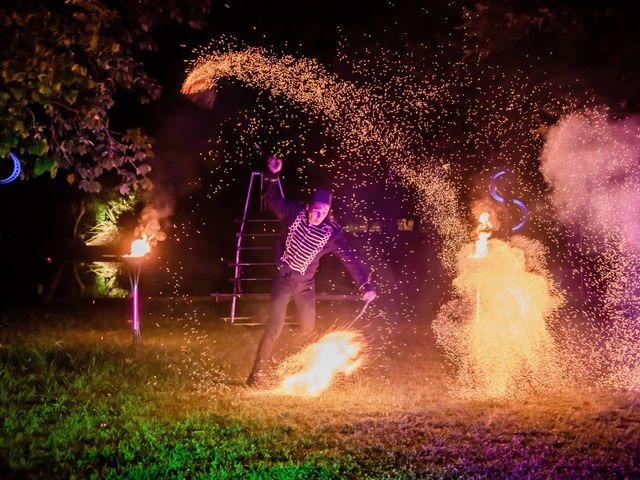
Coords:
243,245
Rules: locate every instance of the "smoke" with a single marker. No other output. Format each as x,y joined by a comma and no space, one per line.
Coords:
592,164
176,166
150,223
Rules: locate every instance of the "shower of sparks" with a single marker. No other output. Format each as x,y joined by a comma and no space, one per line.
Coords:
413,131
358,118
313,370
592,163
496,332
425,131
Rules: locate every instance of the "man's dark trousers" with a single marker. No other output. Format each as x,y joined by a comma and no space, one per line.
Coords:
287,285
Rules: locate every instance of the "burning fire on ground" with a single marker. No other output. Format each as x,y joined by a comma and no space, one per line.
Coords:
311,371
496,332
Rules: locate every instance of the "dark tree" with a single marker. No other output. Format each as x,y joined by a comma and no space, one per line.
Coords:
64,64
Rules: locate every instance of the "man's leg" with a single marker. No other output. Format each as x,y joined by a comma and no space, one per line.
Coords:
280,297
304,296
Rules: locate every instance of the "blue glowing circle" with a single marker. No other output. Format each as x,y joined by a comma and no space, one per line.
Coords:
518,203
16,170
525,214
492,187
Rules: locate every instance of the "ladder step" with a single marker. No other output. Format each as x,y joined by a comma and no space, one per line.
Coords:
257,220
239,296
250,264
251,279
251,324
257,234
288,320
320,296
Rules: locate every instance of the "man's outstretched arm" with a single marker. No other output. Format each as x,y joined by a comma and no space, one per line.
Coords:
276,202
354,266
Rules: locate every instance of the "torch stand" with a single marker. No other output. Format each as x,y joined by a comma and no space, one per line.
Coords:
134,265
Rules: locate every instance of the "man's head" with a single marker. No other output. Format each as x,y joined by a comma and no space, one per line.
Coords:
319,206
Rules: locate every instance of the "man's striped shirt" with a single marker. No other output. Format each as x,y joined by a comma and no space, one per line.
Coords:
304,242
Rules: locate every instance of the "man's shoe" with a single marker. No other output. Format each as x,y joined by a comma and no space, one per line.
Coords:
257,379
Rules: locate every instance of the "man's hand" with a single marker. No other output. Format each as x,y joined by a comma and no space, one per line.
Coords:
274,164
369,296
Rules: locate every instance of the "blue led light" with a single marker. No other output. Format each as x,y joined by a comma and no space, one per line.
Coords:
525,214
518,203
16,170
492,187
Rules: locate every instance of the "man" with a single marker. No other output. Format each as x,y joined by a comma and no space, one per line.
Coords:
310,233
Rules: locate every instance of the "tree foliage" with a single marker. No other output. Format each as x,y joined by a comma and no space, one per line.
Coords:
62,66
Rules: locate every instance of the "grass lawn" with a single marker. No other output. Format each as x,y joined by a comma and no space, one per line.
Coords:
78,401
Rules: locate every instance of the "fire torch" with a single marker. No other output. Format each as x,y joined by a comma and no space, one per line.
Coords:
484,232
139,249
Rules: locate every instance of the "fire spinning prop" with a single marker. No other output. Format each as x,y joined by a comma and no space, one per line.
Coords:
484,232
317,365
360,313
139,249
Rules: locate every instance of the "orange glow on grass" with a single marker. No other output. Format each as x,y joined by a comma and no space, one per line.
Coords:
318,364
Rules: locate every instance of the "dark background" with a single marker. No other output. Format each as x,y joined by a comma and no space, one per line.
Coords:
593,43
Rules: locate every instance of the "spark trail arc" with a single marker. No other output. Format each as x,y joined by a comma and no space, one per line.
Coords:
358,119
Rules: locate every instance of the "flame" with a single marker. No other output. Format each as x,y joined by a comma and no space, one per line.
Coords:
497,330
317,365
484,232
140,247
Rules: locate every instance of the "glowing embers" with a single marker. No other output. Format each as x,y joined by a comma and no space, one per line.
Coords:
139,247
365,125
311,371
